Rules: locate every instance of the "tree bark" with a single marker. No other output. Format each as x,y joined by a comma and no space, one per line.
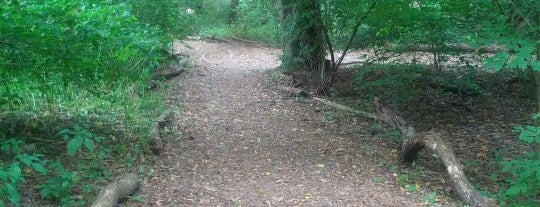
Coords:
113,192
304,52
156,143
537,78
284,10
233,15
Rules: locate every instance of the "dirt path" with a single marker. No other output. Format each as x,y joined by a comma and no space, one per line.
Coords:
240,142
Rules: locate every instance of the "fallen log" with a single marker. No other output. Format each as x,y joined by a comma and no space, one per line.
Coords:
433,141
414,142
346,108
213,37
170,72
115,191
156,143
245,41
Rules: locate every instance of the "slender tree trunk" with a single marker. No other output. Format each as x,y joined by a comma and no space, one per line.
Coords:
284,11
233,15
537,78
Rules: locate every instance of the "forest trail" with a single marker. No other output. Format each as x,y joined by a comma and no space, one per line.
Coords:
238,141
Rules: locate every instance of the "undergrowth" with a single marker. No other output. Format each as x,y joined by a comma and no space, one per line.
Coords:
406,83
515,177
75,106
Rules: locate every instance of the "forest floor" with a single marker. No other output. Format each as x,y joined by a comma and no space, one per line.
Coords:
237,140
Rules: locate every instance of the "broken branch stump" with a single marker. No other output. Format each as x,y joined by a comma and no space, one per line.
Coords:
155,136
113,192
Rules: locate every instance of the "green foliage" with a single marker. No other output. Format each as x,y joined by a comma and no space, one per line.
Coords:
78,137
12,173
74,51
524,183
85,61
405,181
396,81
519,54
430,199
10,179
172,16
59,186
34,162
17,167
529,134
256,21
512,25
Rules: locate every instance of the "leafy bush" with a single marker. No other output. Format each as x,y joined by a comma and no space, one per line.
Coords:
59,186
256,21
87,58
397,81
524,184
21,166
78,137
174,17
69,69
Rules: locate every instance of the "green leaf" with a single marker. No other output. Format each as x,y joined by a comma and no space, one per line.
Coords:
13,193
517,189
538,174
3,175
497,62
513,190
528,134
411,187
535,65
74,145
89,144
24,159
431,198
15,171
39,168
64,133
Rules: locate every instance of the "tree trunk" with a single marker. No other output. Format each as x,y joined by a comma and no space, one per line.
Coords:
284,12
537,79
303,52
233,15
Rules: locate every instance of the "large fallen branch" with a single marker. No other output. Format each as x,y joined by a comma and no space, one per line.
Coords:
170,72
346,108
414,142
114,192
